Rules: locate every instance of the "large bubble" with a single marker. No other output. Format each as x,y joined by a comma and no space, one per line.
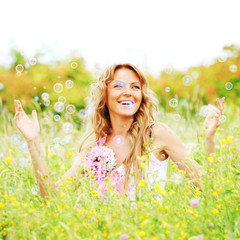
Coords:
59,107
67,127
228,86
19,68
58,87
69,83
70,109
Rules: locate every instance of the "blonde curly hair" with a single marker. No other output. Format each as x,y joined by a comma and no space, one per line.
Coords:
99,120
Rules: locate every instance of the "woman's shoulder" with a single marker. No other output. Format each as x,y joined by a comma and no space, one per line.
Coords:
161,131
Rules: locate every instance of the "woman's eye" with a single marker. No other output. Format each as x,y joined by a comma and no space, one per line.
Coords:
137,87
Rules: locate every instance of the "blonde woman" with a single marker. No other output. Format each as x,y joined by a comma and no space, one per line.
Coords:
123,119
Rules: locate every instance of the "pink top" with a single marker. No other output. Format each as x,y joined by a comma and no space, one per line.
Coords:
102,161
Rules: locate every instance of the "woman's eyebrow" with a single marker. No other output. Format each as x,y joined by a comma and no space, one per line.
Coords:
124,81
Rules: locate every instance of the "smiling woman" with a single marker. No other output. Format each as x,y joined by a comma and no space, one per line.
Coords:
123,119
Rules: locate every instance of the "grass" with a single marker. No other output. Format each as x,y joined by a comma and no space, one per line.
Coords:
81,214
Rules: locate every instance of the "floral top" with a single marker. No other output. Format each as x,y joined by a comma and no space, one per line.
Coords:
101,164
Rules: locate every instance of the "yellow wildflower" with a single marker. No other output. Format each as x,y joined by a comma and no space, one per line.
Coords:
215,211
212,170
8,159
223,141
2,205
230,138
31,210
233,148
142,183
141,233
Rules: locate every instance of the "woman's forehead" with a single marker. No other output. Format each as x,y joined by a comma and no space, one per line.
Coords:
126,74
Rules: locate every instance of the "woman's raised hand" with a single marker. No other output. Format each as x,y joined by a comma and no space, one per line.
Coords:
212,121
29,128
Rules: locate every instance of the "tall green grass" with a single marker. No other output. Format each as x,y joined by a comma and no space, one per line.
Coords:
81,214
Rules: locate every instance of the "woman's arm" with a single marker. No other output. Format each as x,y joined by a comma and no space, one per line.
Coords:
175,148
212,122
31,132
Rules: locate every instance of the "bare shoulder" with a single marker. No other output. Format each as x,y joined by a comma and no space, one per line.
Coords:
161,130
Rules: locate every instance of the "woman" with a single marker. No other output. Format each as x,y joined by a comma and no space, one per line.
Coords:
123,118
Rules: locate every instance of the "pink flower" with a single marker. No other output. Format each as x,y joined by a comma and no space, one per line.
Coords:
210,224
124,236
194,202
1,154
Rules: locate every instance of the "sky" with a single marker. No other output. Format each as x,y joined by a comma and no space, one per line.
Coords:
152,34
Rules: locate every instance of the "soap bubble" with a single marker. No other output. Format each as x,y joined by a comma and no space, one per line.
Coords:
222,118
36,98
204,110
34,190
233,68
70,109
173,102
67,139
74,65
46,103
19,68
167,89
59,107
177,117
23,162
57,117
58,87
33,61
118,140
1,86
82,112
62,99
187,80
222,59
69,83
67,127
89,109
11,189
45,96
15,138
24,145
177,178
228,86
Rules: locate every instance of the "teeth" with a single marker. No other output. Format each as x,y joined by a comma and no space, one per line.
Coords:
126,102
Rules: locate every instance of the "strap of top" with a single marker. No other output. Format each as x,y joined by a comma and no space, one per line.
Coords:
150,127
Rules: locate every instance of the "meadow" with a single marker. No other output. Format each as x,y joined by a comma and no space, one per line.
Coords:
184,212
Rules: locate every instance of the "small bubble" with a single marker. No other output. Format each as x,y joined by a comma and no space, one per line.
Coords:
58,77
173,102
11,189
36,98
187,80
15,138
177,178
59,107
233,68
177,117
204,110
45,96
67,127
23,162
34,190
97,74
74,65
70,109
167,89
89,109
118,140
82,112
222,118
58,87
24,145
69,83
222,59
46,103
19,68
33,61
121,84
46,120
57,118
67,139
1,86
228,86
62,99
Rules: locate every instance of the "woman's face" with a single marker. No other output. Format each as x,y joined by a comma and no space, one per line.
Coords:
124,93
